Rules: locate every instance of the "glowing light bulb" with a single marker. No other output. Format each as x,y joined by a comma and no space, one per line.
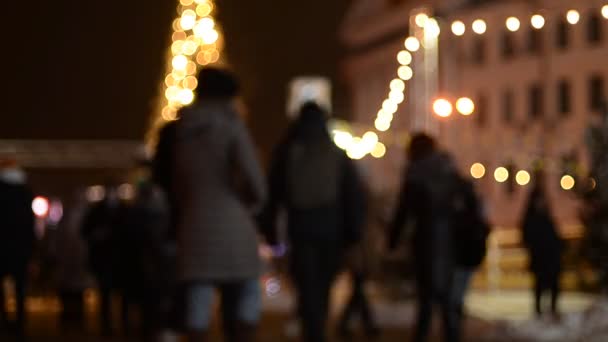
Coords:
188,20
405,73
465,106
404,57
537,21
382,124
412,44
442,108
458,28
479,26
513,24
180,62
501,174
605,11
397,85
431,28
522,177
379,151
421,20
573,17
567,182
478,170
396,96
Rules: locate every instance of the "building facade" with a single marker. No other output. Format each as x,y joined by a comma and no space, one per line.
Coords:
535,70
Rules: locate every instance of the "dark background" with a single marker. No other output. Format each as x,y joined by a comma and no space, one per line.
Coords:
91,69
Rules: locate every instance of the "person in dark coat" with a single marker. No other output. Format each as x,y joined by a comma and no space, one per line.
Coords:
544,246
99,230
425,200
17,237
207,162
321,192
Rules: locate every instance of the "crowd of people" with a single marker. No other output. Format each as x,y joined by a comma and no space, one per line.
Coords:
204,207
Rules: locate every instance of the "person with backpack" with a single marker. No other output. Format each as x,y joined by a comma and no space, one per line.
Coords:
426,200
321,192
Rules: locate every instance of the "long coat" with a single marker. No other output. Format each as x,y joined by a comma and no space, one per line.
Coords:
217,185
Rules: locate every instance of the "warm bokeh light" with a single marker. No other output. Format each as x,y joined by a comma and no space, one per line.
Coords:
204,9
369,140
431,28
421,20
567,182
442,108
573,17
190,82
185,97
397,97
501,174
382,124
169,113
537,21
186,2
343,139
605,11
180,62
478,171
405,73
397,85
465,106
40,206
379,151
522,177
404,57
188,20
412,44
388,106
479,26
458,28
513,24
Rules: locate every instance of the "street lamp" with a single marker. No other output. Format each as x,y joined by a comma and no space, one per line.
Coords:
442,108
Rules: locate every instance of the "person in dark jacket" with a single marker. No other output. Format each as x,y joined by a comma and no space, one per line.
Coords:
17,237
544,246
320,190
207,162
426,200
99,231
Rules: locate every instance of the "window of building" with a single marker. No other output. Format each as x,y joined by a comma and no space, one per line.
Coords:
536,101
508,106
535,41
597,94
562,34
479,50
507,45
481,110
564,97
594,28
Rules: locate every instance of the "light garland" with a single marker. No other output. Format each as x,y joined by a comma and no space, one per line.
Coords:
195,42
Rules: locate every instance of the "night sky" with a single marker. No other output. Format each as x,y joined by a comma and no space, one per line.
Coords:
91,69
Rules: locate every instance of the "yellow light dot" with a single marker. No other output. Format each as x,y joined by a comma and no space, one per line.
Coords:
513,24
212,55
389,106
343,139
405,73
203,27
185,97
177,47
522,177
478,170
382,125
567,182
479,26
178,35
190,82
172,93
201,58
379,151
412,44
204,9
356,151
186,2
404,57
537,21
188,20
384,115
397,85
573,17
432,29
605,11
169,113
442,108
189,47
170,80
210,37
191,68
178,75
421,20
501,174
396,96
458,28
180,62
465,106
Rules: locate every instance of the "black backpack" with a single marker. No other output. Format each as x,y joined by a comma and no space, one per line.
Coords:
469,226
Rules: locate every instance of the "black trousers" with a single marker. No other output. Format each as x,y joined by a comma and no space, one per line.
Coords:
427,297
358,304
546,283
313,267
20,280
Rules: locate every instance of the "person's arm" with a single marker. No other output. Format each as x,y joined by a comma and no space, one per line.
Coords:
249,167
403,212
276,196
162,163
354,201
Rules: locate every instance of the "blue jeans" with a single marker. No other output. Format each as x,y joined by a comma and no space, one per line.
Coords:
241,303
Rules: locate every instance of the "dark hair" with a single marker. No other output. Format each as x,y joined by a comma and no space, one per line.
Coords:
421,146
311,111
216,83
311,124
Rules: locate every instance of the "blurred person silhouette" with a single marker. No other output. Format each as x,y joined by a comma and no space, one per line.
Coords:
17,238
72,272
99,229
541,238
217,183
322,194
426,201
148,258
